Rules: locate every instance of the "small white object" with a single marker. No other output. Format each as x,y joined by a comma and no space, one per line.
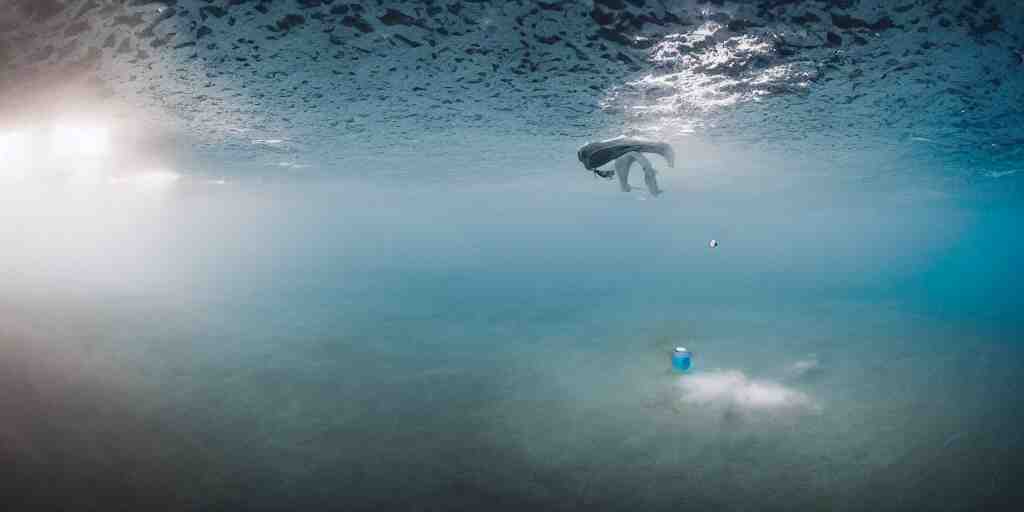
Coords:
713,243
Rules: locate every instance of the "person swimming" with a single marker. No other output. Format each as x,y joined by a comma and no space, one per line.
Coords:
625,151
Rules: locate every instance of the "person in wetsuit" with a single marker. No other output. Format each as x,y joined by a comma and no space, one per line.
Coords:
625,151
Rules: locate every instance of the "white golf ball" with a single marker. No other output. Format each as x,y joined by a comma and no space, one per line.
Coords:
712,244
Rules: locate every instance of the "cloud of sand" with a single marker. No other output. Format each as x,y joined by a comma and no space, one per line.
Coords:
734,388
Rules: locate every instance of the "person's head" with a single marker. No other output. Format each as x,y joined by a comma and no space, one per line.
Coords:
583,158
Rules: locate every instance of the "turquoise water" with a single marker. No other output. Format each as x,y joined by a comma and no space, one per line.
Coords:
507,344
321,255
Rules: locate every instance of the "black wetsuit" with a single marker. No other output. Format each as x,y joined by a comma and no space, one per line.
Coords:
596,154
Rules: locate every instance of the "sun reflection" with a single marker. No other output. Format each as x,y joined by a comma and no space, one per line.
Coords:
85,173
80,139
14,147
149,181
705,70
77,152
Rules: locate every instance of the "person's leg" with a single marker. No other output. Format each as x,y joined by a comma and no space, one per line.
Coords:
649,174
622,165
651,180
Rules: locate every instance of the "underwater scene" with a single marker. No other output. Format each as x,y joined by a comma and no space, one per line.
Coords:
511,255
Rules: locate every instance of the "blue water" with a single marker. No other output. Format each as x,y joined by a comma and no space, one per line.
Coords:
506,344
321,267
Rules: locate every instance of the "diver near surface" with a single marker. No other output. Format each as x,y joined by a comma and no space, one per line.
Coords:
625,151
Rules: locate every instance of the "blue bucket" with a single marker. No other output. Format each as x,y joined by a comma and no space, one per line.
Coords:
682,359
